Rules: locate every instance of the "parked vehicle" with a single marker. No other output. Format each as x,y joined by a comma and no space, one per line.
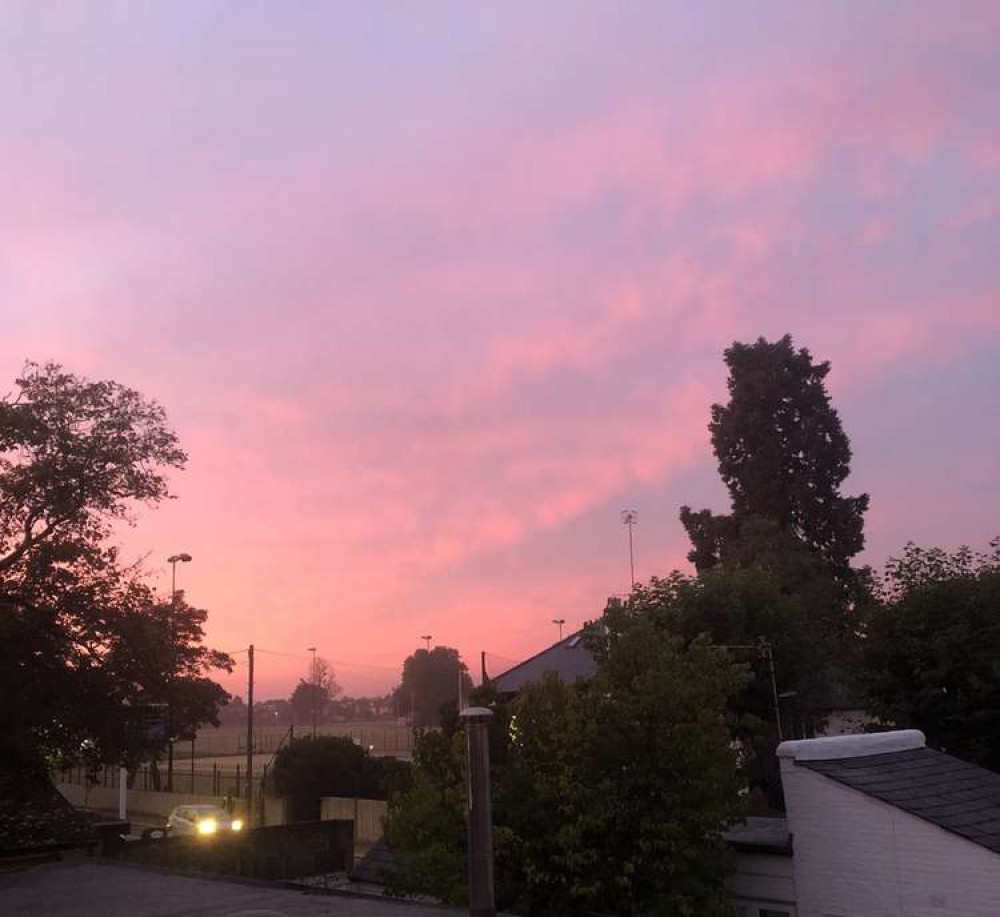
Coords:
202,821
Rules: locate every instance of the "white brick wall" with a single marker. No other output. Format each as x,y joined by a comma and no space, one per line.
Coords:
858,857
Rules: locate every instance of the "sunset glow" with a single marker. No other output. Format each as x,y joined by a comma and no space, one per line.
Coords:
430,292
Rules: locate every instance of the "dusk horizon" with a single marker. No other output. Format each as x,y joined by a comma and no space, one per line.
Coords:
431,295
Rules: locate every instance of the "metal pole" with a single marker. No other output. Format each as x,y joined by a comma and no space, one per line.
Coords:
192,765
765,649
631,556
250,737
482,666
122,792
481,900
315,690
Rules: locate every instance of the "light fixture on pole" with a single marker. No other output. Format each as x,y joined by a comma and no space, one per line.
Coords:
315,686
182,558
630,517
173,560
559,623
427,639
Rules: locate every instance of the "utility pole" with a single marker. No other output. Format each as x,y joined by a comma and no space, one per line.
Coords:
559,623
250,737
768,654
482,666
315,690
427,639
630,517
477,731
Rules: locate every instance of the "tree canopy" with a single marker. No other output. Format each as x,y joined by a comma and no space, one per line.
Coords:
610,795
430,682
783,455
84,641
932,649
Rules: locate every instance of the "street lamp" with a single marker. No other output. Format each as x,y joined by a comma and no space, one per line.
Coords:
315,690
559,623
184,559
630,517
173,560
427,639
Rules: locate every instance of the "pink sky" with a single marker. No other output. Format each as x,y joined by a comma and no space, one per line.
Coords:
431,291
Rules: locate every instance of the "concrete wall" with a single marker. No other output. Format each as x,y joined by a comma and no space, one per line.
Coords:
856,856
763,881
367,815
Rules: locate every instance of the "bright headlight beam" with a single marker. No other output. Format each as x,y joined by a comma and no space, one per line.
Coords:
207,826
237,824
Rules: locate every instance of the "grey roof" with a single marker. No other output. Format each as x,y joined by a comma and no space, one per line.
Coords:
568,658
961,798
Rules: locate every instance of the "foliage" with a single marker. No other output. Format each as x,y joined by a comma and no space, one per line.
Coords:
932,650
430,682
312,698
426,826
73,456
609,795
84,643
309,768
782,455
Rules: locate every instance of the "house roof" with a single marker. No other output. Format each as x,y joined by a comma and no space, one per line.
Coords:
960,797
569,659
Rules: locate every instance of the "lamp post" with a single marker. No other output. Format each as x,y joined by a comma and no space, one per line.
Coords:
182,558
427,639
173,560
315,690
559,623
477,731
630,517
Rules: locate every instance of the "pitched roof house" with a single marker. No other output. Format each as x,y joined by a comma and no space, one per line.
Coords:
569,659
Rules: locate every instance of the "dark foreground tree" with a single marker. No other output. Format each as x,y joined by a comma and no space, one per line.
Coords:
932,650
430,683
610,795
783,456
85,645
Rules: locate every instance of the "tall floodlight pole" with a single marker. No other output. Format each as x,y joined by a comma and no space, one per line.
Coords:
559,623
630,517
315,684
427,639
173,560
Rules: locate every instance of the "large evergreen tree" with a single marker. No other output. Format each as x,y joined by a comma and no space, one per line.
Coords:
783,455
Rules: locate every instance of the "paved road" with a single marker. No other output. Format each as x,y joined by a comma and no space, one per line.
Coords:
85,888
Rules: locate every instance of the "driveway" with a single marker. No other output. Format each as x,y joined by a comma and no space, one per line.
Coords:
86,888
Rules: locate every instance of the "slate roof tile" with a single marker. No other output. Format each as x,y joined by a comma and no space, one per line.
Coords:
960,797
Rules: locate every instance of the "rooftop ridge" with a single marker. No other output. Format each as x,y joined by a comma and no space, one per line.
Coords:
832,748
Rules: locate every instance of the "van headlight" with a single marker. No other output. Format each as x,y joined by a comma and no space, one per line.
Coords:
207,826
237,824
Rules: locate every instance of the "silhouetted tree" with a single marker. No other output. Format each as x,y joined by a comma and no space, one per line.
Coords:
782,455
85,645
431,681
